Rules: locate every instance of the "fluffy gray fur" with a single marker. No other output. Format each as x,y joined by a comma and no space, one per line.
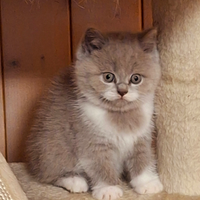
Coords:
86,127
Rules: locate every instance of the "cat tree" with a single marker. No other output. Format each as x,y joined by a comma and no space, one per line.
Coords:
178,105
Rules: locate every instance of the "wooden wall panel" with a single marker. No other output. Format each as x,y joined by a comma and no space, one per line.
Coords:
105,15
2,122
36,44
147,14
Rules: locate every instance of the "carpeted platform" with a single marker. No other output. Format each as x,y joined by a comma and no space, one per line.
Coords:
37,191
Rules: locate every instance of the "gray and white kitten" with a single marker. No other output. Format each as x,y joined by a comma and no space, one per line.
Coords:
96,122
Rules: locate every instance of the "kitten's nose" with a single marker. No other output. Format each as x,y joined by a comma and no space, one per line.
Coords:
122,92
122,89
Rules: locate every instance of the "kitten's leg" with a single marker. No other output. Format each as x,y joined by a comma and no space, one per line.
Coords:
141,166
103,174
75,184
103,191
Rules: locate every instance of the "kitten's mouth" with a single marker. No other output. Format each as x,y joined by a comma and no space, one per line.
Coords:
119,102
122,98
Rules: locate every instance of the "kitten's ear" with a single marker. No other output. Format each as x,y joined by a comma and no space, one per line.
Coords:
148,40
93,40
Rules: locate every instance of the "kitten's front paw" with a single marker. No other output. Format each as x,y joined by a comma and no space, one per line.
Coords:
151,187
74,184
107,193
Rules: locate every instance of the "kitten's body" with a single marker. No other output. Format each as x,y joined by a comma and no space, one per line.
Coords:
89,131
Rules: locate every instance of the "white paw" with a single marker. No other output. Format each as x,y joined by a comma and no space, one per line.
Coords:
151,187
74,184
107,193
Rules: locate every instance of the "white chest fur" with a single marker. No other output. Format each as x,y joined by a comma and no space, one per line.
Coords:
123,141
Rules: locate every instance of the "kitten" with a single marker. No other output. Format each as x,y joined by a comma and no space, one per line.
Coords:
96,122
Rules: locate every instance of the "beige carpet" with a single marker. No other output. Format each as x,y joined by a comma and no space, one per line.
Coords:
37,191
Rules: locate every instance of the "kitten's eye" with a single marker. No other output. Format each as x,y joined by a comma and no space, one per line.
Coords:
108,77
136,78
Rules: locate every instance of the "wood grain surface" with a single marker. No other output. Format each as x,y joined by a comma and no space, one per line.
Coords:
36,44
2,119
147,21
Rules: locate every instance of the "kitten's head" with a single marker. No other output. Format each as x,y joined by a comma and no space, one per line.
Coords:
118,71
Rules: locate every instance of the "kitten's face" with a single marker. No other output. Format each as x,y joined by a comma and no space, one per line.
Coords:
120,73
